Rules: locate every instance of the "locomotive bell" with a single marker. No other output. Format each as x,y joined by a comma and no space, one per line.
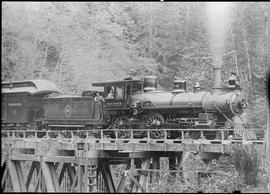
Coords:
150,83
179,86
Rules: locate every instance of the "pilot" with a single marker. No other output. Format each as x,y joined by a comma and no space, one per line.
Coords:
110,95
197,87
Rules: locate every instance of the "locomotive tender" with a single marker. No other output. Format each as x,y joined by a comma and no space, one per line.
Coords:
133,103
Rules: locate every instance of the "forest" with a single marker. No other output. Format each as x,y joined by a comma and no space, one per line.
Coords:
75,44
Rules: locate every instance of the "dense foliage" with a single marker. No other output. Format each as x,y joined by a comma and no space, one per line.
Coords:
242,170
75,44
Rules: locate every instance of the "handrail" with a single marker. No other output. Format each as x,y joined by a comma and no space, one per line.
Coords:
54,134
95,130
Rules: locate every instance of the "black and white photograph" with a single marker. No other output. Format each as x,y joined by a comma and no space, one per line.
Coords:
135,97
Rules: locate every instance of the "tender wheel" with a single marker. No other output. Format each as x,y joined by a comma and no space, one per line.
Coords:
81,134
153,121
194,135
121,122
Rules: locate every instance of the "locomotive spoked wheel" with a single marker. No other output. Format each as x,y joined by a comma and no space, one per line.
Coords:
153,121
121,122
52,135
80,134
218,135
29,134
194,135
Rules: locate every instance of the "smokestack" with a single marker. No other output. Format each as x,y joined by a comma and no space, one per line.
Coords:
217,51
217,62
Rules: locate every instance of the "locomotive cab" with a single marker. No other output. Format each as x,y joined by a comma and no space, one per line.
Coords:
117,94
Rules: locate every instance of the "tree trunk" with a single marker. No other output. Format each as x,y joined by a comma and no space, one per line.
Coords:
235,56
33,65
267,139
187,22
248,58
44,60
150,31
58,66
60,73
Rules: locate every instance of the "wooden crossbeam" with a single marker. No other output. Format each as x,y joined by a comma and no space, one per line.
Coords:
4,177
54,177
16,176
48,177
38,177
112,172
80,178
30,174
20,175
71,173
56,165
135,181
172,164
75,179
144,178
122,182
107,176
156,166
85,178
62,172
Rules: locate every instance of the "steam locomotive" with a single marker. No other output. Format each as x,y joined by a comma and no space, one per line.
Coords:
130,103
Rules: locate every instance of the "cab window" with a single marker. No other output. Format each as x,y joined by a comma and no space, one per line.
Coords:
136,87
119,94
109,92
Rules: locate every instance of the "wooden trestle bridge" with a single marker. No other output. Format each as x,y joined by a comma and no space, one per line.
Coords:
81,161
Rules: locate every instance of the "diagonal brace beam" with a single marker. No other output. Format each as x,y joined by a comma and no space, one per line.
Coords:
108,177
121,184
34,166
15,172
50,177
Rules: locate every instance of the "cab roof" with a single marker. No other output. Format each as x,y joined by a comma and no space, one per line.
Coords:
32,87
116,83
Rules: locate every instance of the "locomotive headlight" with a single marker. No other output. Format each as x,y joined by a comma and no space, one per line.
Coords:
237,104
243,103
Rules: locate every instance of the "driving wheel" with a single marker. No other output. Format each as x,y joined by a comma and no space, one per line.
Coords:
154,121
122,122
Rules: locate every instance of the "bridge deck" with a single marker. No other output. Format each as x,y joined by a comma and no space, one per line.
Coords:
86,156
87,141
